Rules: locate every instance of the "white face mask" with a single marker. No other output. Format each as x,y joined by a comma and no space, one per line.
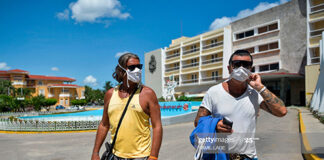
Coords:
134,76
240,74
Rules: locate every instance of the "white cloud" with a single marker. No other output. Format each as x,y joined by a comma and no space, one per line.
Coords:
94,11
3,66
90,80
55,69
221,22
65,15
117,55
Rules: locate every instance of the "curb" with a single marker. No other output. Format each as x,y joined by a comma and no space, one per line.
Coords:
306,145
44,132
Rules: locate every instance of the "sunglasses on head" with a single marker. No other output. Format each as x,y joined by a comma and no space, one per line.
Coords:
239,63
132,67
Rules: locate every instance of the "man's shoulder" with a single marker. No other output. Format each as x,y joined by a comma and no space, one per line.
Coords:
215,88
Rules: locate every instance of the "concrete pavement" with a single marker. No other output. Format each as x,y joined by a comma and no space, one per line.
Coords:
175,145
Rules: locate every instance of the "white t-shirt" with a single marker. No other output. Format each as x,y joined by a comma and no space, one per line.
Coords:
242,111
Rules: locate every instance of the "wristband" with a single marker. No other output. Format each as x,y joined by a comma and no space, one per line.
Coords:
264,88
152,157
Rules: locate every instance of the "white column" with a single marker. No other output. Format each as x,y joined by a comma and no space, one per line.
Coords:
180,64
200,59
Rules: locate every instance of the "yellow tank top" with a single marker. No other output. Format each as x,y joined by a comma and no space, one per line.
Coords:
134,135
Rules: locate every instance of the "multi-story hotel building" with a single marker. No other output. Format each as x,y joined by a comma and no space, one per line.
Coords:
315,27
195,61
276,40
275,37
59,88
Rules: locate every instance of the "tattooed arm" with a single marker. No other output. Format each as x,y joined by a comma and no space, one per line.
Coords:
201,113
271,103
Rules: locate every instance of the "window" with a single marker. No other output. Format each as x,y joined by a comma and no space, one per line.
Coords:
41,92
40,83
67,102
214,75
273,26
268,28
176,79
269,67
273,45
176,52
250,50
245,34
193,61
65,90
82,93
269,46
274,66
193,48
194,76
213,57
61,101
176,65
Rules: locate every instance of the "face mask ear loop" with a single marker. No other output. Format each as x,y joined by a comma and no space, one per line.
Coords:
126,73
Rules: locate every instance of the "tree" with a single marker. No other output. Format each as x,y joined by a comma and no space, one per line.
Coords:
6,103
49,102
108,85
78,102
38,102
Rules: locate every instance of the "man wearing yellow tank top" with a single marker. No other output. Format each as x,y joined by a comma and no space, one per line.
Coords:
134,135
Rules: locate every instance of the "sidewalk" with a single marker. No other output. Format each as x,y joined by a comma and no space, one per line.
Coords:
312,131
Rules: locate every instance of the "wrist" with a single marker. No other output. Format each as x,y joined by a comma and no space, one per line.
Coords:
259,87
153,157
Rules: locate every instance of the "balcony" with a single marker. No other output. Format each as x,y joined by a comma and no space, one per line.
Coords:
190,51
213,45
211,79
317,32
65,95
18,83
315,60
171,69
317,8
50,95
189,81
190,65
82,97
210,61
173,55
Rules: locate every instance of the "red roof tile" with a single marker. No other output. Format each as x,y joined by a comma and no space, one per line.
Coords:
40,77
64,85
18,71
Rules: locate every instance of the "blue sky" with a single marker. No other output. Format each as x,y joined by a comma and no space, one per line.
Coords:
82,39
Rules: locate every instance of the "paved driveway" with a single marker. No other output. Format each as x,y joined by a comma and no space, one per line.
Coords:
175,145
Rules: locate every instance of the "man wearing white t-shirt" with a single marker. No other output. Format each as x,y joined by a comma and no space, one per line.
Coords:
239,99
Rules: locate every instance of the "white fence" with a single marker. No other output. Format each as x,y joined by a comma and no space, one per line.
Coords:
21,125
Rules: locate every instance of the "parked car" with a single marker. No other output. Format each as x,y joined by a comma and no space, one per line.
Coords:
59,107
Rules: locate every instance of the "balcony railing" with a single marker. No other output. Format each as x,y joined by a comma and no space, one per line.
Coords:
317,8
190,65
316,32
212,45
171,69
173,55
212,78
191,51
50,95
65,95
215,60
315,60
18,83
189,81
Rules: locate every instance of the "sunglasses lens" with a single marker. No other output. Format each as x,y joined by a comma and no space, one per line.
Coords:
132,67
238,63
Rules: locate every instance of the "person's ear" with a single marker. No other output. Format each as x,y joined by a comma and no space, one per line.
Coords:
229,69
